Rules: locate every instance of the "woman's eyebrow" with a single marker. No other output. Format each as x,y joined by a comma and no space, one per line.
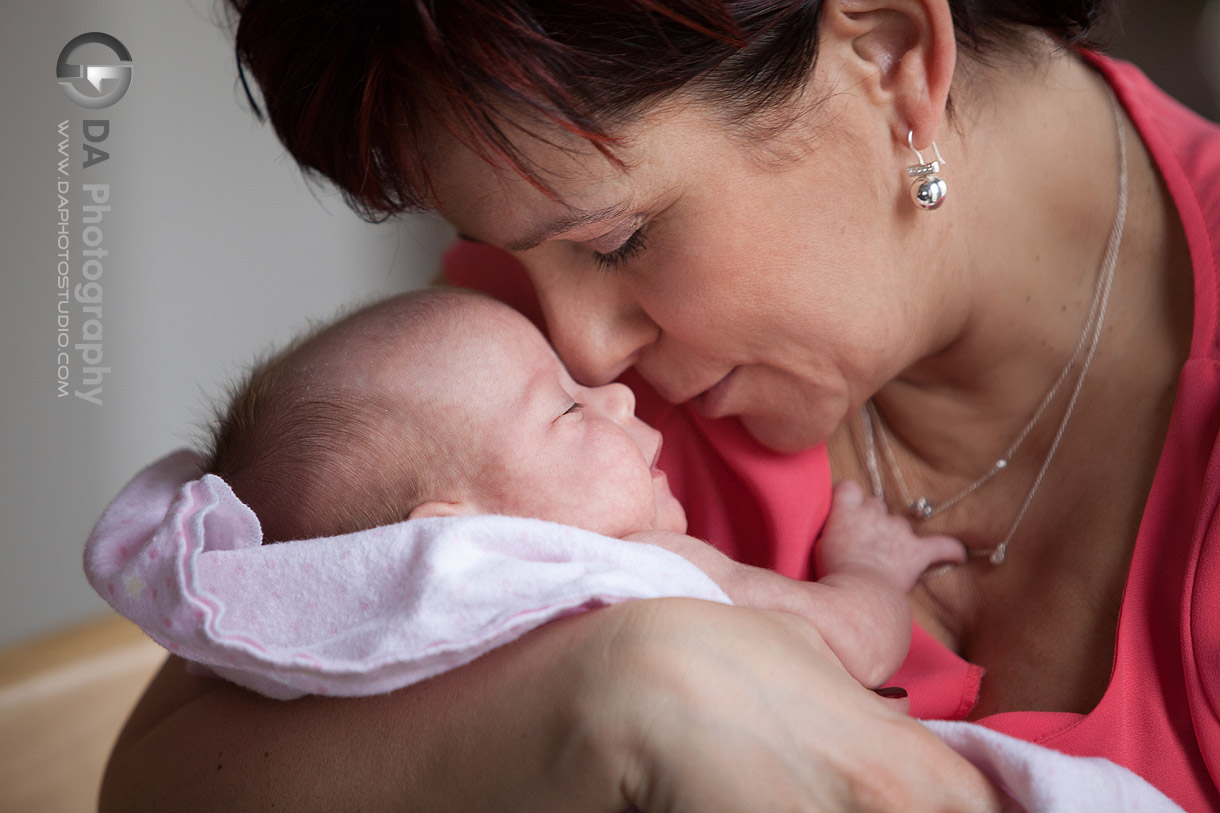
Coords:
566,222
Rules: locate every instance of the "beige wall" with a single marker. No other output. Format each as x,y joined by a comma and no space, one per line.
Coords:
217,250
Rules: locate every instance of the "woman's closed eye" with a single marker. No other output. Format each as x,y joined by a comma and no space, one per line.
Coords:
631,247
576,407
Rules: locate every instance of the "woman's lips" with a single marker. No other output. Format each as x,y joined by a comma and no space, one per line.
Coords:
711,403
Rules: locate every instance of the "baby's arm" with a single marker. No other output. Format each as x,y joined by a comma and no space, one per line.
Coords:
870,561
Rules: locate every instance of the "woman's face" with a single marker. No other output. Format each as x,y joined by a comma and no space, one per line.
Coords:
784,289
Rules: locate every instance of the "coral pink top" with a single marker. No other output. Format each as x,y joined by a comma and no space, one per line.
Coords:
1160,715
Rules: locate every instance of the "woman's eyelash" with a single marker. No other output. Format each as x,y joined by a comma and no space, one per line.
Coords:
632,246
576,407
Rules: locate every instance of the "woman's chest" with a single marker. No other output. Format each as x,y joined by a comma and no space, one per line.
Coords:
1043,625
1047,648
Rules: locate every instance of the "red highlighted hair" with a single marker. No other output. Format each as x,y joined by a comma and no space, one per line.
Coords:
357,90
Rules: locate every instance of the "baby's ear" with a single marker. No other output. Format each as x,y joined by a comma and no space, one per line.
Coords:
439,508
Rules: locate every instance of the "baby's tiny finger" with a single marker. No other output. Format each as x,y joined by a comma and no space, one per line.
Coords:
945,548
847,493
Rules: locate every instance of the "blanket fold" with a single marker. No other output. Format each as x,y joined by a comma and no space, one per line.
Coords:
1046,781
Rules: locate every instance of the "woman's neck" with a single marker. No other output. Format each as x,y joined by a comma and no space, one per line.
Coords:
1035,190
1039,179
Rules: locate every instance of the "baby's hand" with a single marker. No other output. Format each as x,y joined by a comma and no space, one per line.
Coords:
861,535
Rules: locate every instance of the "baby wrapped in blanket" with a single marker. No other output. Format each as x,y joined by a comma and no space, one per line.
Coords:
535,496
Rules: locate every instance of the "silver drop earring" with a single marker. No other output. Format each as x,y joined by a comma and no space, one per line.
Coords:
929,189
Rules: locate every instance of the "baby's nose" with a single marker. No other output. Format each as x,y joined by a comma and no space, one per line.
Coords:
615,399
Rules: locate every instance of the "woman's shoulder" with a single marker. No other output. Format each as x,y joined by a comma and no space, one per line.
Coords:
1178,135
1185,148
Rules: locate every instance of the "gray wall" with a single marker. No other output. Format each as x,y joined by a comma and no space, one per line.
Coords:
217,250
1177,43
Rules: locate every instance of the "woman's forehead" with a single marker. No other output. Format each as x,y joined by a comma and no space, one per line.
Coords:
493,203
575,184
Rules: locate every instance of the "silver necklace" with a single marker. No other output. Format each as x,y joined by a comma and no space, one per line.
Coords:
922,508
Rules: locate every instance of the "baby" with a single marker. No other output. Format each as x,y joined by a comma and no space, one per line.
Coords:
439,404
445,403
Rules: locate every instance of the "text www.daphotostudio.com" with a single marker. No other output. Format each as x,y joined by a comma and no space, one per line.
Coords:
79,314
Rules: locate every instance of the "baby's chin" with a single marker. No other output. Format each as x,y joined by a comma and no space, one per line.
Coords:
668,514
670,517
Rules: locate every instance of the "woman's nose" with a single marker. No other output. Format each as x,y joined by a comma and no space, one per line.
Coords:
595,324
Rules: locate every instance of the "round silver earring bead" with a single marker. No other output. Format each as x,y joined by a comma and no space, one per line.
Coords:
929,192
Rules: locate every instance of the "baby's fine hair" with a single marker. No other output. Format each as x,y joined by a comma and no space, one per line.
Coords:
312,455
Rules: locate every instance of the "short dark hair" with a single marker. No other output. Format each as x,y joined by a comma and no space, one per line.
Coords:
291,456
313,458
355,89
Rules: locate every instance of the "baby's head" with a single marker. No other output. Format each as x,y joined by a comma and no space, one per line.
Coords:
434,403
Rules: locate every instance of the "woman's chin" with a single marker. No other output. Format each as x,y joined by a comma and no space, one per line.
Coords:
787,434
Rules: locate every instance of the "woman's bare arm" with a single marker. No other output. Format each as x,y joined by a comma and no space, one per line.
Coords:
446,744
671,705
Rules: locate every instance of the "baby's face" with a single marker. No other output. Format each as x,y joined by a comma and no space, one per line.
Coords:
546,446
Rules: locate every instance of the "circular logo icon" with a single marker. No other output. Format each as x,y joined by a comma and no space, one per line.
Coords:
94,86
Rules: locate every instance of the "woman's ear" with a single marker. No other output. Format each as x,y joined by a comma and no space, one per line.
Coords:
901,53
440,508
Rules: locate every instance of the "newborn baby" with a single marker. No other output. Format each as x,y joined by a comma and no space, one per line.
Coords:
444,402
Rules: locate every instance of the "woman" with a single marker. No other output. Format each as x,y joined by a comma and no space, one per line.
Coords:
719,196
